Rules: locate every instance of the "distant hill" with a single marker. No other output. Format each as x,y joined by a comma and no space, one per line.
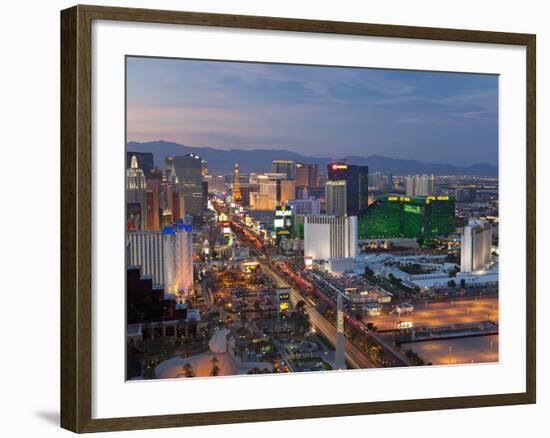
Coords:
221,161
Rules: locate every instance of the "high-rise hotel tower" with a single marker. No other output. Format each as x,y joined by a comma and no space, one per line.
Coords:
237,196
166,256
475,248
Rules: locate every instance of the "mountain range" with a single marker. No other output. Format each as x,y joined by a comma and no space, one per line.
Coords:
259,160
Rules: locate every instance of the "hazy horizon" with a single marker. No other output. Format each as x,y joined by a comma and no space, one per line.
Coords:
316,111
328,158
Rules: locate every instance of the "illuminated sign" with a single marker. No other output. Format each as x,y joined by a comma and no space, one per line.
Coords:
250,266
284,299
339,166
411,209
405,324
283,220
340,321
226,229
436,198
283,211
399,198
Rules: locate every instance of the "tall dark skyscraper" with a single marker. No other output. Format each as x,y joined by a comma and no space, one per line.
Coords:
357,189
188,169
284,166
357,184
337,171
307,175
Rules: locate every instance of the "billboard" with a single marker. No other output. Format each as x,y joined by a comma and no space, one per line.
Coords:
283,220
226,228
283,296
405,325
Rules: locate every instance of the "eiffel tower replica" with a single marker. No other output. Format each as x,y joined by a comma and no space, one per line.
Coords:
237,197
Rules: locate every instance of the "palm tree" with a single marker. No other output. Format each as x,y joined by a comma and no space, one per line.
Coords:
215,368
188,369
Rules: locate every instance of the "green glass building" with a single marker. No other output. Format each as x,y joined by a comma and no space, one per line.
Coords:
298,229
415,217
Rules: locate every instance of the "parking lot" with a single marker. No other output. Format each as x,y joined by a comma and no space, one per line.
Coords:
441,313
482,349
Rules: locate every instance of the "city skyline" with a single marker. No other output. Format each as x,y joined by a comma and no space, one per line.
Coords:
279,261
310,109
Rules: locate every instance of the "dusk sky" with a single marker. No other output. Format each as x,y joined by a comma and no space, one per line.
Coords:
317,111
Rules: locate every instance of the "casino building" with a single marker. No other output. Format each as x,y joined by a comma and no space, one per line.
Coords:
356,185
166,257
414,217
330,237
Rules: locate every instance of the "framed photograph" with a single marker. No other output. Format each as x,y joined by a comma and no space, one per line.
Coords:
270,218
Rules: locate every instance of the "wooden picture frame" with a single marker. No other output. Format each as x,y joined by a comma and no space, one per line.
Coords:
76,218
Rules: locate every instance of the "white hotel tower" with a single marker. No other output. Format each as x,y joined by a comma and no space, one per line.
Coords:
144,249
420,185
475,246
330,237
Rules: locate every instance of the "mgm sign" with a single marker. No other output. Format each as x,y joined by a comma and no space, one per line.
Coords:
283,221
